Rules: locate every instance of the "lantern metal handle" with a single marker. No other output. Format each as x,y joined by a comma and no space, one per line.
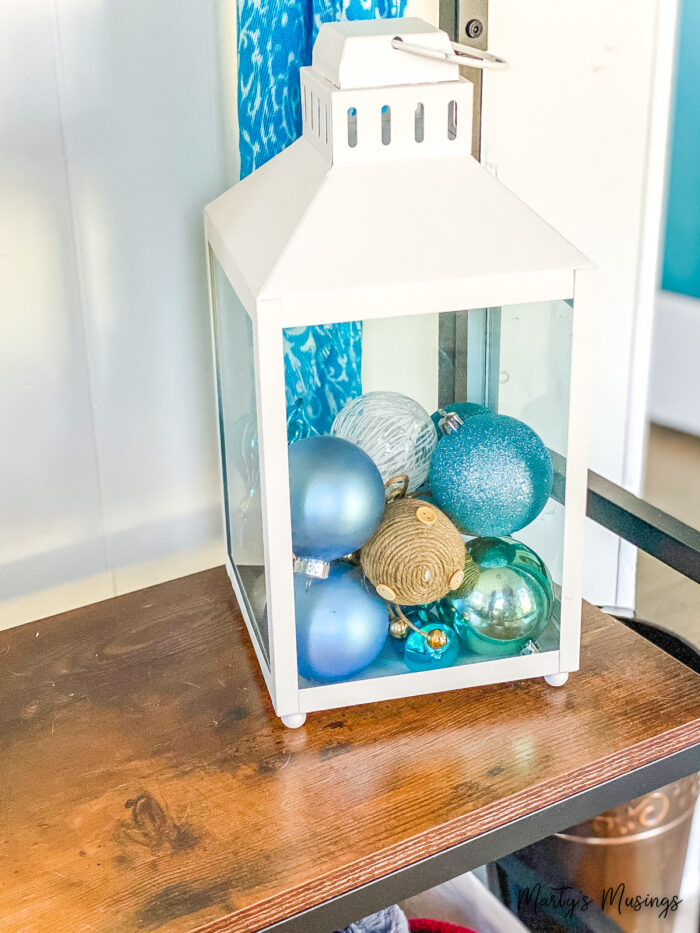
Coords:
463,55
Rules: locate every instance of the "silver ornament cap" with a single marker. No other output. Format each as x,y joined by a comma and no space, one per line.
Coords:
449,422
312,567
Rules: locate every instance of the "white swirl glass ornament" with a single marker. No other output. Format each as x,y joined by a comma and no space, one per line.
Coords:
394,430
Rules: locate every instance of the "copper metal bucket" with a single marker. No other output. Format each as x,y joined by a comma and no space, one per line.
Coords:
636,849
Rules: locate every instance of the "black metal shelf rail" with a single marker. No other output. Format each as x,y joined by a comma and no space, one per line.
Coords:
655,532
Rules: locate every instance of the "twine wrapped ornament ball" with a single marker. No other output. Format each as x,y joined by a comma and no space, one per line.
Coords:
415,556
470,578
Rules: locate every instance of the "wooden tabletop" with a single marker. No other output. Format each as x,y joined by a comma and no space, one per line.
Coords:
147,785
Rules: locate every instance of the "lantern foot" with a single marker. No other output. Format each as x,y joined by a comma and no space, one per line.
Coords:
294,720
556,680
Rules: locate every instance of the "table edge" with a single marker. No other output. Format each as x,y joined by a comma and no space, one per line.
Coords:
373,881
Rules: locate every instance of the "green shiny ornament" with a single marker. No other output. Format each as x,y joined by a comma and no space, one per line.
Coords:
511,601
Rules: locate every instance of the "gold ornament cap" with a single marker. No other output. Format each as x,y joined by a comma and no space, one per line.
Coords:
436,639
398,628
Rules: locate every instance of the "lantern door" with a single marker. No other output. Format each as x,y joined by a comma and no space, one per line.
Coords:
508,373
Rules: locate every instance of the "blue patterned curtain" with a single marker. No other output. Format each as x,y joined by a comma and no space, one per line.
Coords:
275,38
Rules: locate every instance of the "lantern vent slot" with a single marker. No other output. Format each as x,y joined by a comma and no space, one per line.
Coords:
401,108
452,120
352,127
386,125
419,123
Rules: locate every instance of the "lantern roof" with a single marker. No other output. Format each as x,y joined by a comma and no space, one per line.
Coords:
379,204
354,54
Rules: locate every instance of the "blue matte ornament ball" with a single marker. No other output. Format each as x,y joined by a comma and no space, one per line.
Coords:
336,496
511,600
492,476
341,624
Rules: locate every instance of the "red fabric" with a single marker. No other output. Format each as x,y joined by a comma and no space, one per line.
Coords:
435,926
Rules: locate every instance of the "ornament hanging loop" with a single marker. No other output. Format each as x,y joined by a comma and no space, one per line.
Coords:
397,613
435,637
396,487
464,55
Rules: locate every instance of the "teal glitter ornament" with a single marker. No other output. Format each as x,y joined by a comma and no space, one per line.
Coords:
511,601
436,645
491,474
463,409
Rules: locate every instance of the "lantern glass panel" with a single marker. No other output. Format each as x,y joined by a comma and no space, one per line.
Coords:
514,360
238,428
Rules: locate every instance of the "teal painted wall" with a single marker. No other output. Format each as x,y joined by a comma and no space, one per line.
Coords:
681,266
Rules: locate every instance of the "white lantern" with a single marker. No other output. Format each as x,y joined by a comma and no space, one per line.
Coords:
458,292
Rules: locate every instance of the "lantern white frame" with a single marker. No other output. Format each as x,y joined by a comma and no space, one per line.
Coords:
458,240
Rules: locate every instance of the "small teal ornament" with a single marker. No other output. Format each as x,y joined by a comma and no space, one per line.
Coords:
435,645
463,409
511,601
491,474
336,495
341,624
429,614
424,615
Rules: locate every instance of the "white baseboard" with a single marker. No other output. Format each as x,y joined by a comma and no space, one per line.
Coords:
74,573
674,389
80,592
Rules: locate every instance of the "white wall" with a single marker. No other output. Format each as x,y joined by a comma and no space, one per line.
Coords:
577,127
114,124
674,398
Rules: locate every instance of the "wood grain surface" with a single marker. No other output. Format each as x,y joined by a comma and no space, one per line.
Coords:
147,785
